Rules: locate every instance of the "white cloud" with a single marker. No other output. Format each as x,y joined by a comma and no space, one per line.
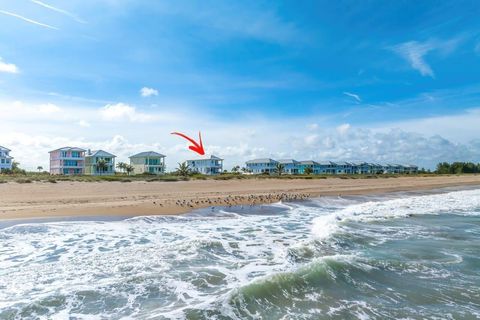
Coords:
147,92
64,12
353,95
414,52
31,131
83,123
8,67
122,112
8,13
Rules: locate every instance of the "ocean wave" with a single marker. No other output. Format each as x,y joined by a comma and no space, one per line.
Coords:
458,202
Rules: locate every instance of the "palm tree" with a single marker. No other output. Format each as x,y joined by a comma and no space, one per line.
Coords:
122,166
183,169
308,170
279,168
129,168
235,169
102,165
39,168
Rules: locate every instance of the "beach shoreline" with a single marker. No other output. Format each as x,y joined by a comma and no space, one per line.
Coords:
138,198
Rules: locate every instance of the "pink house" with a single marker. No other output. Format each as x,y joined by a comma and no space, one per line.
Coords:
67,161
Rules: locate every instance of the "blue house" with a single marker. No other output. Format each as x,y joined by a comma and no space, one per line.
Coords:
290,166
265,165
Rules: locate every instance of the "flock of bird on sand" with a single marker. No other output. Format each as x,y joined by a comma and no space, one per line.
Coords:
230,200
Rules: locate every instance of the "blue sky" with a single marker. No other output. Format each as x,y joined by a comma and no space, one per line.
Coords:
345,80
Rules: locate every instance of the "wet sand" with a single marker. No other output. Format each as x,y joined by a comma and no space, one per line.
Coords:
78,199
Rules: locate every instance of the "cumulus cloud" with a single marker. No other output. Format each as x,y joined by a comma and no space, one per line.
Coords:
8,67
147,92
123,112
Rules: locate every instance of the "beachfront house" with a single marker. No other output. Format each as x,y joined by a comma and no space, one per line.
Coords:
313,165
343,167
393,168
67,161
264,165
148,162
5,159
290,166
411,169
326,167
99,162
209,166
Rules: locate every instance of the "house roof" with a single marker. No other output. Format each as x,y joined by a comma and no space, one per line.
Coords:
308,162
286,161
147,154
99,153
212,157
4,149
263,160
69,149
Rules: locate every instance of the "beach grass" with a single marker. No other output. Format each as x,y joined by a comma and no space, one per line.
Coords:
30,177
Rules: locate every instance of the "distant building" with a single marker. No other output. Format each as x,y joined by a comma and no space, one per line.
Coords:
210,166
290,166
313,165
92,160
5,159
265,165
148,162
67,161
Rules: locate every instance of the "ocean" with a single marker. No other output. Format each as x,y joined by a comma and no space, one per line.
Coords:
394,256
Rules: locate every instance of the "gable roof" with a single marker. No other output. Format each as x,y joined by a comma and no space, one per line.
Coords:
309,162
68,149
287,161
262,160
4,149
212,157
147,154
99,153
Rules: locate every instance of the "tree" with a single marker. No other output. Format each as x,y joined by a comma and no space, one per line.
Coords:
235,169
308,170
183,169
279,168
122,166
102,165
129,168
39,168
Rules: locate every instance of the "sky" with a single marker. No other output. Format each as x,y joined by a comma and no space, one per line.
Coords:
380,81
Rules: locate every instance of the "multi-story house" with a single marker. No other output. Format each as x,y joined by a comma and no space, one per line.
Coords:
313,165
5,159
67,161
290,166
343,167
327,167
210,166
265,165
148,162
99,162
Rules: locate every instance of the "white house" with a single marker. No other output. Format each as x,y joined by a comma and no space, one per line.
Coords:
5,159
209,166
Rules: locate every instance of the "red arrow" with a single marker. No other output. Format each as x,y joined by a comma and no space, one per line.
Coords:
198,148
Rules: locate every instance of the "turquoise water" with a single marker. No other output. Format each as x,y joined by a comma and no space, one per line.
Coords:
400,256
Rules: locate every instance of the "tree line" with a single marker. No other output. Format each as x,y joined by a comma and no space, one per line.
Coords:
457,167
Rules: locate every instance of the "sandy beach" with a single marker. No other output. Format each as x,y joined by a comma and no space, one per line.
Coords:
66,199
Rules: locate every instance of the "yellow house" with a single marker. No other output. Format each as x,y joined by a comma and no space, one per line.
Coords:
148,162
